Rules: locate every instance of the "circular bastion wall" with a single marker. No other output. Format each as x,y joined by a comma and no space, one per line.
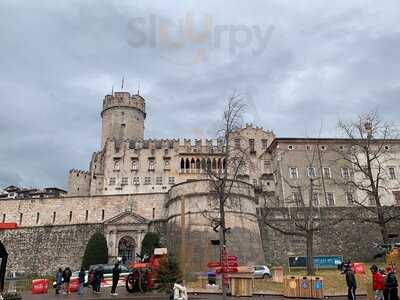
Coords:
190,208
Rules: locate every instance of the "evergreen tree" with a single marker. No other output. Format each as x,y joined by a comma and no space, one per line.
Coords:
168,273
150,241
96,251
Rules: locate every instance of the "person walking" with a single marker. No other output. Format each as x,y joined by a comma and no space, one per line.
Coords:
115,278
180,292
390,291
67,278
351,282
377,283
99,275
81,278
58,280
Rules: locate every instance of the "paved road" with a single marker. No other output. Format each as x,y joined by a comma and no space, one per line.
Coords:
124,295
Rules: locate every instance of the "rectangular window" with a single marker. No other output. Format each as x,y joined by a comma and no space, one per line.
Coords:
112,181
330,199
102,214
54,216
124,181
392,173
327,172
293,173
311,172
116,165
396,195
147,180
345,172
267,165
171,180
152,164
37,218
251,145
135,181
297,199
135,164
159,180
237,143
87,216
315,199
264,143
349,198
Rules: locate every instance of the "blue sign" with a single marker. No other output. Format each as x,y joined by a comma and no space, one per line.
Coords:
318,285
320,262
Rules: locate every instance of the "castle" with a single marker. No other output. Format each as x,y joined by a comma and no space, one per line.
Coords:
135,185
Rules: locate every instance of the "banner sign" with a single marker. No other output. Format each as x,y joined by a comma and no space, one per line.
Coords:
320,262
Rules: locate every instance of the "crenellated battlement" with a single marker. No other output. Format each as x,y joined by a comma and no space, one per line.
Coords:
124,99
78,172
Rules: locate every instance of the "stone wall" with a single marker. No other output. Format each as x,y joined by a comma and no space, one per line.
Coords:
41,250
352,238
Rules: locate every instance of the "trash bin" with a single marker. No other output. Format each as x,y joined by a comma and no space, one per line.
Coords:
291,287
241,285
305,287
277,274
317,290
212,278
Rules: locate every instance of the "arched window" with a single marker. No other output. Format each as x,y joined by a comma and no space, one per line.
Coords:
197,163
126,249
219,164
187,164
192,164
208,164
182,163
203,164
224,164
214,164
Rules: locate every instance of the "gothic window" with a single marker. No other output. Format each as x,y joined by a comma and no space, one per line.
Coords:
124,181
392,173
208,164
166,163
182,164
187,165
251,145
214,164
147,180
116,165
192,164
135,181
197,163
224,164
171,180
152,164
112,181
159,180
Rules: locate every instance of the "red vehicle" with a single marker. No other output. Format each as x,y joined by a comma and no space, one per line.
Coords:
141,279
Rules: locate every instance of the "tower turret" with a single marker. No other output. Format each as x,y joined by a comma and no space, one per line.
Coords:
123,117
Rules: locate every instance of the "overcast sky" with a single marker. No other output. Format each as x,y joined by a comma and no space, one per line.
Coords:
299,64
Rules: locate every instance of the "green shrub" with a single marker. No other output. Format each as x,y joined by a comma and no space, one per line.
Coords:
150,241
96,251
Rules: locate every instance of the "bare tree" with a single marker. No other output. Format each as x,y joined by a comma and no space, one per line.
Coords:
304,217
368,152
223,179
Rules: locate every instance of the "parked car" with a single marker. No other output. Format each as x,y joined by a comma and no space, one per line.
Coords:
107,270
262,272
76,275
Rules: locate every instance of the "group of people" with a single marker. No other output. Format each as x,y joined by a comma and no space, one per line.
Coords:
384,283
63,279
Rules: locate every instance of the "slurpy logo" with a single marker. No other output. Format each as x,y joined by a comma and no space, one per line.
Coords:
200,38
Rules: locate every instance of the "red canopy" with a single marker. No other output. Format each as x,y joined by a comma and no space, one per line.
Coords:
8,226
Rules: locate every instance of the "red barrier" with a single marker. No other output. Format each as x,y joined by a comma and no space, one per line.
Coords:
358,268
74,285
40,286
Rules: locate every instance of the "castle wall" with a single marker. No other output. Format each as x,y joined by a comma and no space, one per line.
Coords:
352,238
79,210
43,249
199,205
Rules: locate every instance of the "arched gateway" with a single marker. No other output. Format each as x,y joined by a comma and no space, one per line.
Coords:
126,249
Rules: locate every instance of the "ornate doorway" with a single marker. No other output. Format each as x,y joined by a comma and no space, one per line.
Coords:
126,249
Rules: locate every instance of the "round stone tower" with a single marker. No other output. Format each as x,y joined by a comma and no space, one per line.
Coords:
123,117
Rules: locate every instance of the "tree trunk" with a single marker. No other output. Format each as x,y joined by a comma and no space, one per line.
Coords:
310,253
223,241
382,225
